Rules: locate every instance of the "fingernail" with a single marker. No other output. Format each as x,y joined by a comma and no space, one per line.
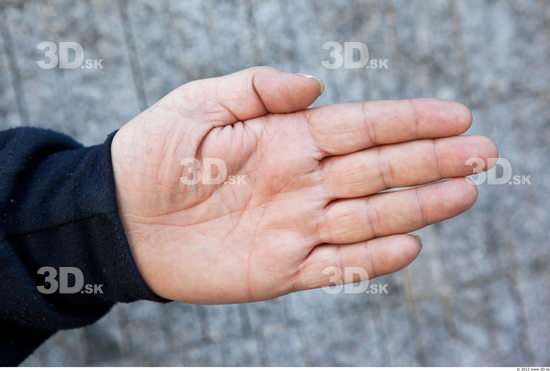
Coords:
419,241
321,84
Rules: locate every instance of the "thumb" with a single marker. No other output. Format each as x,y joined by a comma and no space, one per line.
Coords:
256,91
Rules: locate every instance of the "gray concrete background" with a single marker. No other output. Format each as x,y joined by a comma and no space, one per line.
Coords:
479,294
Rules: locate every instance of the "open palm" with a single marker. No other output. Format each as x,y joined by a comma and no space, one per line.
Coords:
304,186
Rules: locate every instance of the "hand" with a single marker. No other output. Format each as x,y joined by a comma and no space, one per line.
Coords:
313,178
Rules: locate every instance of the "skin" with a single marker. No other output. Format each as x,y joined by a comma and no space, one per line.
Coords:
313,180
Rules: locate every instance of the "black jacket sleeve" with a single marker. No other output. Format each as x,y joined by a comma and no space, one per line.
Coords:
58,210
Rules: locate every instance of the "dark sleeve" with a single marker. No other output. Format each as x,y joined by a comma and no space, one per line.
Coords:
58,210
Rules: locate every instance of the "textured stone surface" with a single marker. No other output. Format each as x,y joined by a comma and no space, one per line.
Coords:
478,294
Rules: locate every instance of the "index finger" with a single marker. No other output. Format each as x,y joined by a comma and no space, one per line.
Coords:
346,128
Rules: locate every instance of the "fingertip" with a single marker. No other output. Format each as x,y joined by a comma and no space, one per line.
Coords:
448,198
419,242
442,117
286,92
479,148
491,151
459,115
317,80
391,253
407,248
463,116
469,193
410,246
300,90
